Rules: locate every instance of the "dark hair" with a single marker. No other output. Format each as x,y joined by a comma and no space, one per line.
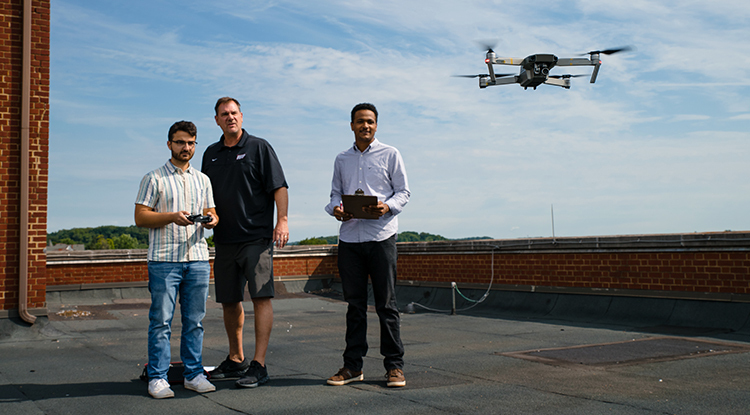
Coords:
224,100
365,106
185,126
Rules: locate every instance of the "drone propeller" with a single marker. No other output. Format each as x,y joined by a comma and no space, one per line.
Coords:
609,51
471,76
487,45
566,76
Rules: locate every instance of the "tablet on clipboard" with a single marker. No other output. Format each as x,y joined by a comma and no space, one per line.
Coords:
353,204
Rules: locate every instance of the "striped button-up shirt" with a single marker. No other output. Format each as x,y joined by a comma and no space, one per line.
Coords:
169,189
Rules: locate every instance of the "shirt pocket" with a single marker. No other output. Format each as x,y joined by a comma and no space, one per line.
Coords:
378,178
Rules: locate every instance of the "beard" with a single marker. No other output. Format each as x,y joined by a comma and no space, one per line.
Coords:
184,155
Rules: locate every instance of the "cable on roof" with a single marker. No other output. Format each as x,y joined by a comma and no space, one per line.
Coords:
454,286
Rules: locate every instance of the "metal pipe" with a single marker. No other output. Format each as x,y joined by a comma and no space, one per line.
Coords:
453,294
23,277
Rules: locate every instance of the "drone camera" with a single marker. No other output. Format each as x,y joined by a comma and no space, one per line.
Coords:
541,69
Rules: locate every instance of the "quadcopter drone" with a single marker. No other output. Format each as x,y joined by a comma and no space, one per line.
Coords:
535,69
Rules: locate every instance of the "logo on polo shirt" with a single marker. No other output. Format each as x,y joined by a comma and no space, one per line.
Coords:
240,156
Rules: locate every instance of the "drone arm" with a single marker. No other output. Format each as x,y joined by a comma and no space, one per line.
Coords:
506,61
500,81
575,62
595,73
593,60
563,82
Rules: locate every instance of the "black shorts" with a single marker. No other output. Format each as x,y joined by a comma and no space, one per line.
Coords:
248,263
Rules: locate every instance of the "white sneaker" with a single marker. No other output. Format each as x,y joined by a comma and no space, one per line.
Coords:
159,389
200,384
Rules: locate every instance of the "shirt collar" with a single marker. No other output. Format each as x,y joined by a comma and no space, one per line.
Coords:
375,143
174,169
243,140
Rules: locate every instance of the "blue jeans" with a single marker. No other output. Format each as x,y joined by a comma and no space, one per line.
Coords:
165,281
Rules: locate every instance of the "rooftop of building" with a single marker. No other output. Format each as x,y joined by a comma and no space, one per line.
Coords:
504,356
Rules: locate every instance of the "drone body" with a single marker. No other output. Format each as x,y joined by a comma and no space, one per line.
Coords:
535,69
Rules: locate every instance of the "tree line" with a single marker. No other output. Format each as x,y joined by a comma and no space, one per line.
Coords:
102,237
133,237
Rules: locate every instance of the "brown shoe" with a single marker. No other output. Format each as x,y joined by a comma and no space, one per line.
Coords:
344,376
395,378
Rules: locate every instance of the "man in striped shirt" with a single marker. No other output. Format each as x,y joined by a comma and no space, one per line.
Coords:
177,259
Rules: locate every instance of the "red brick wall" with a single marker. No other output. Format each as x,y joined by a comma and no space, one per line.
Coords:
119,272
695,272
705,272
11,35
311,265
71,274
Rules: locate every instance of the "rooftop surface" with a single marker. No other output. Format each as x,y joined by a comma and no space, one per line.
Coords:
88,356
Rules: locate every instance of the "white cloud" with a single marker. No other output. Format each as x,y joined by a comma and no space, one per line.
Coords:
618,156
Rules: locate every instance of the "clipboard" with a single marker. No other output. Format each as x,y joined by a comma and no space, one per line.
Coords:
353,204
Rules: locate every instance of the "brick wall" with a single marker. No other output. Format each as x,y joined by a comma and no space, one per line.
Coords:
96,273
11,36
704,272
706,266
126,266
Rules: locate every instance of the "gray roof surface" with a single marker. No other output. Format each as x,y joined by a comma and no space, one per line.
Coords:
489,361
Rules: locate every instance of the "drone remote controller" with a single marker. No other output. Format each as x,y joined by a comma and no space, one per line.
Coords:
199,218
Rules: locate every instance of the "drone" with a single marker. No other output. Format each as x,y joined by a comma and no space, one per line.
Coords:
535,69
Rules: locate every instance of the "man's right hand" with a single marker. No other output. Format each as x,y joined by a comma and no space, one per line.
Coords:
180,218
339,214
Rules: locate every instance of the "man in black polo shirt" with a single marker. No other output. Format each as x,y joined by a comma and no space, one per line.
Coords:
247,179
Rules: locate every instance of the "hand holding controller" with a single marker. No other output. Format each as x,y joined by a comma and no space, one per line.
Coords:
199,219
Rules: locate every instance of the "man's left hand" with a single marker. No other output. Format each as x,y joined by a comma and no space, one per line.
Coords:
213,223
281,234
380,209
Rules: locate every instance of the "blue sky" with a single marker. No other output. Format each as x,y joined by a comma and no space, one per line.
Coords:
659,144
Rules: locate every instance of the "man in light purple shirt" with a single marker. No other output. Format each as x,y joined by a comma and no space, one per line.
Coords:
367,247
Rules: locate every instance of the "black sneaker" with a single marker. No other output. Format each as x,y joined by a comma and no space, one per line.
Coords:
255,375
230,369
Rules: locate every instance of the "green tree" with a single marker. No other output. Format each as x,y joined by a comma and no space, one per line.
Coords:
102,243
409,236
90,236
124,241
314,241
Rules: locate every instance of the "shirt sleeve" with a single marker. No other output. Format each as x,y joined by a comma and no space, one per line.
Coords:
401,193
209,201
147,192
336,187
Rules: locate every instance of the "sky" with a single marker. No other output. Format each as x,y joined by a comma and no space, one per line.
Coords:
659,144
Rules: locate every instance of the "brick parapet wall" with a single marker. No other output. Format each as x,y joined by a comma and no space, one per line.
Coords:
11,59
641,265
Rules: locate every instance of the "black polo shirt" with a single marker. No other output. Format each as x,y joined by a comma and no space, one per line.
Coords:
244,178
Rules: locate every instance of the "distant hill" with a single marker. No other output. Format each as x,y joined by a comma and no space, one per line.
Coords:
407,236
